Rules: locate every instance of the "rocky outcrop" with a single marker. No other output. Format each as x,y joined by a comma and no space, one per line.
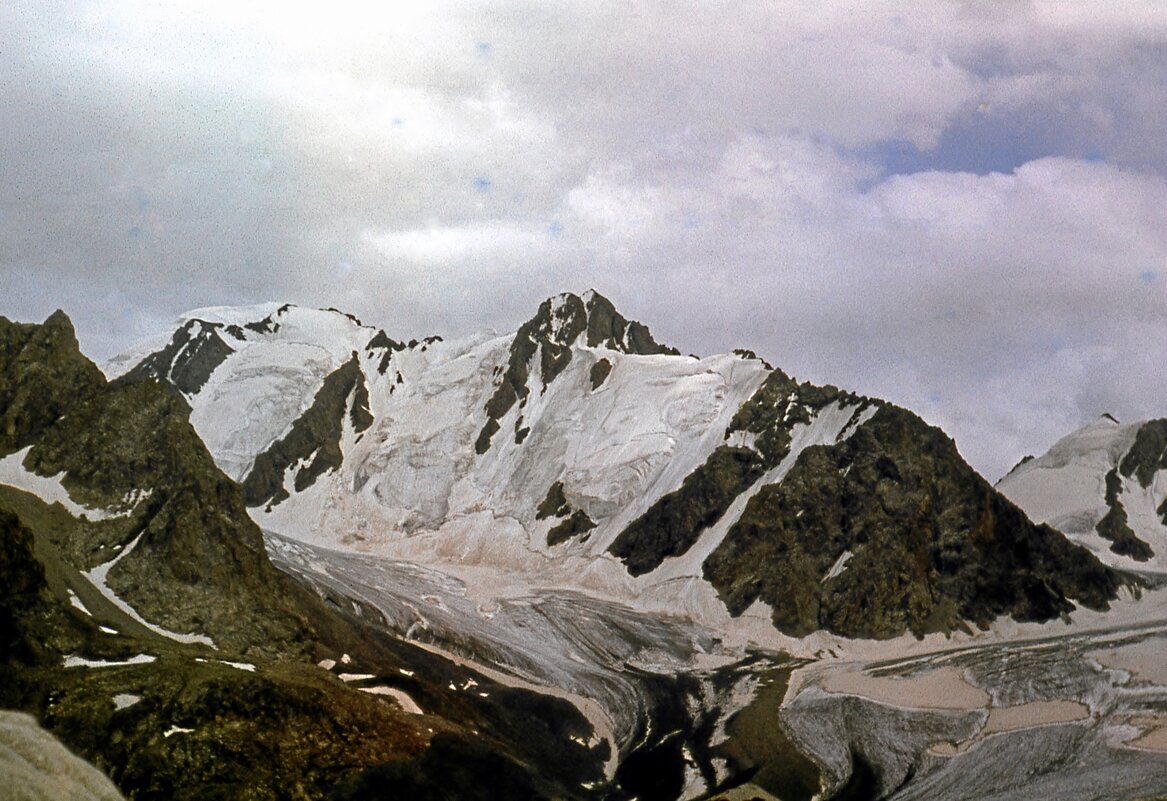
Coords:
313,446
1147,456
560,323
890,531
188,360
675,522
1115,525
197,560
573,522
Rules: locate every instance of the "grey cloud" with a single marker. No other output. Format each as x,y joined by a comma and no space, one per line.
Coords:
722,174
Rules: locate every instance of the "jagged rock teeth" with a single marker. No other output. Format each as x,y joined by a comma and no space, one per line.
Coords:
560,324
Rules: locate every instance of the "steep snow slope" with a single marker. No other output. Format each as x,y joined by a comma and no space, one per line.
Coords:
1104,486
413,488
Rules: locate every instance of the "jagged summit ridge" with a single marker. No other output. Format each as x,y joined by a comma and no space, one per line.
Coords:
546,343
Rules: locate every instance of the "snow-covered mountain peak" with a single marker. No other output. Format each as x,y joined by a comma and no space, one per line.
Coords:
1102,441
230,315
566,318
1105,486
582,451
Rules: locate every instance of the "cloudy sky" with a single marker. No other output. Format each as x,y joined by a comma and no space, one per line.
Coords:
961,207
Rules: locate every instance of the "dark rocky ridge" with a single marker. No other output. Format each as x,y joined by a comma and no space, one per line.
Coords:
674,523
931,543
387,347
128,446
1148,456
188,360
1114,525
557,325
315,437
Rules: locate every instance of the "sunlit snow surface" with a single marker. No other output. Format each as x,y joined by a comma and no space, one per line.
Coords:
1066,487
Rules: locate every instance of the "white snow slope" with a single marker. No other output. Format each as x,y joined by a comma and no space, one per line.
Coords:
412,487
1066,488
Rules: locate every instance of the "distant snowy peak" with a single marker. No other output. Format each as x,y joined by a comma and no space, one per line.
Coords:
206,337
251,373
1105,486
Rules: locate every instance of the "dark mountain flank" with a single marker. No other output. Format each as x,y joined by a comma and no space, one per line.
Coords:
314,439
190,357
881,531
193,561
890,531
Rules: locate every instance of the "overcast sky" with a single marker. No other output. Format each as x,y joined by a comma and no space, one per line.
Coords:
961,207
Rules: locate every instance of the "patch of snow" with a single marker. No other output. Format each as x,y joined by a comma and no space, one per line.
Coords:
97,577
108,630
125,700
48,489
356,676
173,730
76,602
838,567
327,664
80,661
743,439
400,696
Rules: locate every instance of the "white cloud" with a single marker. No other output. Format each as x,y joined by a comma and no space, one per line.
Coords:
483,245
